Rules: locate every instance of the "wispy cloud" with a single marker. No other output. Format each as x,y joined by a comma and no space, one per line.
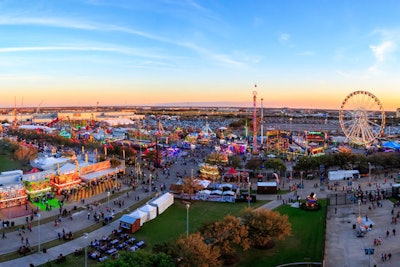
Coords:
220,58
284,37
382,50
85,25
120,50
306,53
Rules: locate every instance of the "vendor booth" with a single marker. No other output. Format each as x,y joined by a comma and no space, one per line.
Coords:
12,191
209,172
267,188
66,182
129,224
37,183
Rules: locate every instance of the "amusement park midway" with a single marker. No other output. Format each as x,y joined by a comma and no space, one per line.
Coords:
342,247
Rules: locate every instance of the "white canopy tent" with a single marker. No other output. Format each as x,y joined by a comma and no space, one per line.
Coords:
151,211
138,214
163,202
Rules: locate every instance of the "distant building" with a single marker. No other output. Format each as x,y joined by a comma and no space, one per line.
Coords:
398,113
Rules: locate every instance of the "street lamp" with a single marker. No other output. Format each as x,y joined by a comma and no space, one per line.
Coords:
150,177
187,218
86,249
108,207
359,212
369,172
108,199
249,196
38,215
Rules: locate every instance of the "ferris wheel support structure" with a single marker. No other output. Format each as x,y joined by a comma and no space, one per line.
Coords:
362,118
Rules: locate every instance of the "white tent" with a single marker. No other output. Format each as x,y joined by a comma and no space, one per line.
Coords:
138,214
226,186
163,202
151,211
228,193
216,192
205,191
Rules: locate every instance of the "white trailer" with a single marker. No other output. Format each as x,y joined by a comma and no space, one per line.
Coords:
343,175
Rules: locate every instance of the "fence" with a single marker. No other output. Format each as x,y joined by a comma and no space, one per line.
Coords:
351,198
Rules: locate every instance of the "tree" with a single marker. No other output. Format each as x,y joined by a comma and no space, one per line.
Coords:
25,154
191,186
114,162
227,235
236,161
193,251
276,164
155,156
253,164
265,226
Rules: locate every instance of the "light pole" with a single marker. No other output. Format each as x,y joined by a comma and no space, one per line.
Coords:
108,207
301,182
249,196
359,212
108,200
150,176
369,172
187,218
38,215
86,248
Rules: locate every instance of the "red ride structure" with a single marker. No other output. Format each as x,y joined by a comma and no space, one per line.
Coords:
255,150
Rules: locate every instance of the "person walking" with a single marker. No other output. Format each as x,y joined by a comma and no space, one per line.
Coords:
26,241
4,235
394,231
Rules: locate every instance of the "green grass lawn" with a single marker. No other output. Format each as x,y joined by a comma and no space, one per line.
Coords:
8,164
305,243
172,223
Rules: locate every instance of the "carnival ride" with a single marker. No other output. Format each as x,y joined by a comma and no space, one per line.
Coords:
209,172
362,118
311,203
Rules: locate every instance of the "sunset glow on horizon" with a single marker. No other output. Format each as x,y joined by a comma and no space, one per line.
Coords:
301,54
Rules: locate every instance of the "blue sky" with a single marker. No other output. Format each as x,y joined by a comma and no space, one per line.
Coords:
308,54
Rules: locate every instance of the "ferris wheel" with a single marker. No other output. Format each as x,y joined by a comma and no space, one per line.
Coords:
362,118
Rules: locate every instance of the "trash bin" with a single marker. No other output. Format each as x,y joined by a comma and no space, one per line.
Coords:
12,223
354,226
44,250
